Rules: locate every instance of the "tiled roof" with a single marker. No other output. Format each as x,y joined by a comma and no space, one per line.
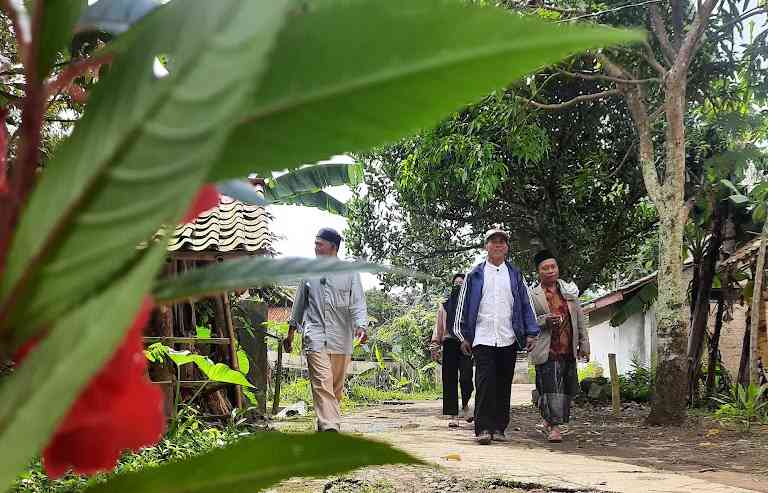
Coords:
745,254
234,226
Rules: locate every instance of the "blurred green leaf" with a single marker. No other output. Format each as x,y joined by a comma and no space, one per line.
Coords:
255,271
76,347
58,22
139,153
395,67
256,463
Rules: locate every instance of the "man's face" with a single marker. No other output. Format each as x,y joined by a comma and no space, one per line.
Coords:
458,281
325,248
548,271
497,247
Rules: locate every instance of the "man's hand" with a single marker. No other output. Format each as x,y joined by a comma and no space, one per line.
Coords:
531,343
584,356
465,347
287,342
361,335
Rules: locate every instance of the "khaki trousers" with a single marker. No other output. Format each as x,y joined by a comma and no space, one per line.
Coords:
327,379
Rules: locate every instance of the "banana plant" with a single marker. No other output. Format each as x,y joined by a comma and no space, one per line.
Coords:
304,186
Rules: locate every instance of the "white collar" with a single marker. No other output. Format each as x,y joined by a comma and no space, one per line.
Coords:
495,268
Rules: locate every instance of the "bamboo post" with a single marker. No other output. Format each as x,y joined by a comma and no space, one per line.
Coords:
233,347
278,371
615,385
756,303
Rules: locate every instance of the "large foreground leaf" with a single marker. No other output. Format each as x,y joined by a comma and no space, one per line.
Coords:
42,389
252,272
257,463
352,74
138,155
56,31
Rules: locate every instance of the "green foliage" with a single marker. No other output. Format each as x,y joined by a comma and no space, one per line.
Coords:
372,395
76,348
249,272
250,88
407,84
304,186
236,464
216,372
298,390
430,197
190,438
158,469
743,406
281,329
592,369
638,384
407,336
58,21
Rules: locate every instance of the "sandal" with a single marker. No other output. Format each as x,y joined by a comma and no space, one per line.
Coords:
554,436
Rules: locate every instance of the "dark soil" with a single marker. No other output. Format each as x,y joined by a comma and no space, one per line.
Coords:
702,445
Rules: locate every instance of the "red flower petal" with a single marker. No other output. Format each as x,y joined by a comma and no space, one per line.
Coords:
207,198
118,410
93,438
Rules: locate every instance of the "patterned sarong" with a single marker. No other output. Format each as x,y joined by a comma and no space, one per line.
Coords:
557,385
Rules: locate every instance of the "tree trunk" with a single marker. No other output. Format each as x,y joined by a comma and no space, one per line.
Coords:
714,348
702,304
743,369
670,401
756,307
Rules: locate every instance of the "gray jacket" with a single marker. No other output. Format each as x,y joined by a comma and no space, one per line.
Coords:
327,310
539,354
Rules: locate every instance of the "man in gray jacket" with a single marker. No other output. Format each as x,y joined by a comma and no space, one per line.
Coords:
562,341
327,311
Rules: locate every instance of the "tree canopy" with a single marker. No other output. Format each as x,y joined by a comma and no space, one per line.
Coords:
567,181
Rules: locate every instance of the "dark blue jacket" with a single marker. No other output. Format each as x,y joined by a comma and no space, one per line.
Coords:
523,315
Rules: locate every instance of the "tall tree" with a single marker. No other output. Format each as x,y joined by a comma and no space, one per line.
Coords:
567,181
660,83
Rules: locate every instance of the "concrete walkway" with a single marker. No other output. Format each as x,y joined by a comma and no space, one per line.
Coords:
418,429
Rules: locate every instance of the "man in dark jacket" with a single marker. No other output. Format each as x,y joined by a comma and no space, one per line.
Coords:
445,348
494,318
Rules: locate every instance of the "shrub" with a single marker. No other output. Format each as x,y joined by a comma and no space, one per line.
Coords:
742,406
190,438
592,369
298,390
637,384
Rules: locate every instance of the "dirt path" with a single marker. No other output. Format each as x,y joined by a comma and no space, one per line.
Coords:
622,456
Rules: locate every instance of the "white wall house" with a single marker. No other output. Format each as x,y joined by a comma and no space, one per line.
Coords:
631,341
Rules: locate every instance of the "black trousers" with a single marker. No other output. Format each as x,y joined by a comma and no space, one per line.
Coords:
494,376
455,366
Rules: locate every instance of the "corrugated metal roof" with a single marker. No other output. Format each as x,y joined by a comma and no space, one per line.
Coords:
232,227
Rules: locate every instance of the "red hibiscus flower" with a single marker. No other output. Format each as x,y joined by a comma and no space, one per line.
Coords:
120,409
207,198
